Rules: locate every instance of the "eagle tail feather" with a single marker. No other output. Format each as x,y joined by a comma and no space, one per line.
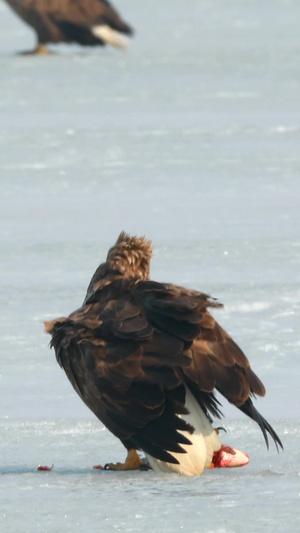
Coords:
204,442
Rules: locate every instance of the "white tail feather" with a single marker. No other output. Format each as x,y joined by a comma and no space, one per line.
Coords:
109,36
205,442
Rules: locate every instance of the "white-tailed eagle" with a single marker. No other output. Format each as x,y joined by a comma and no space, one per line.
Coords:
146,358
87,22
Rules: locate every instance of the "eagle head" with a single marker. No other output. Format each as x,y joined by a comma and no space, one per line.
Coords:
130,256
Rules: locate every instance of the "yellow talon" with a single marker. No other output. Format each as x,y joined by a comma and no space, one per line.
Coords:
132,462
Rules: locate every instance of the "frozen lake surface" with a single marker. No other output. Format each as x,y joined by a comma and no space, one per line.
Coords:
192,138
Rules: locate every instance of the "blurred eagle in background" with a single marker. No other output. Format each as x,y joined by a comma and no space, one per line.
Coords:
87,22
146,358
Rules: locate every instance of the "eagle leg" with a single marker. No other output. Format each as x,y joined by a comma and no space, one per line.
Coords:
132,462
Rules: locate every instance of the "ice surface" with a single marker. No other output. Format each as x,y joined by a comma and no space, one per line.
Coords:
262,496
191,137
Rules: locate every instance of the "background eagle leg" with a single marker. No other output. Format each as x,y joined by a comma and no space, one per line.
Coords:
40,50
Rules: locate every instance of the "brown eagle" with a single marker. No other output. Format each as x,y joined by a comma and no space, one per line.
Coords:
146,358
87,22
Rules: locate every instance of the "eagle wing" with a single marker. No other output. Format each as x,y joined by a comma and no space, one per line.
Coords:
131,349
215,360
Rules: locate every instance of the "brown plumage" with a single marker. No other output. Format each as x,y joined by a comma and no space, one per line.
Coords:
87,22
142,354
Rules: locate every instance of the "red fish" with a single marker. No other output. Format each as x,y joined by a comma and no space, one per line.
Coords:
228,457
47,468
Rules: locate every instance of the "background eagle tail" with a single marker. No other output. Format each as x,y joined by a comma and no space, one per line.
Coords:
204,442
110,36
